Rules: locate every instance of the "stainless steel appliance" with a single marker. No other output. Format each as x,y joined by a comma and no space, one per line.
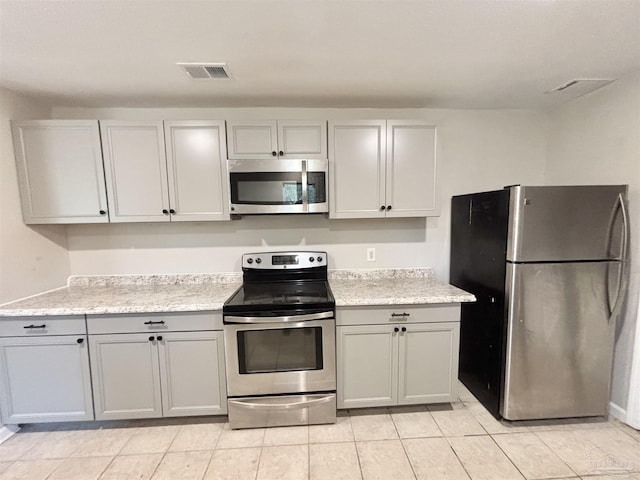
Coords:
547,265
280,337
278,186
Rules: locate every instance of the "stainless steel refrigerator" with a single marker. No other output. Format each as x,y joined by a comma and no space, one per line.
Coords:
548,267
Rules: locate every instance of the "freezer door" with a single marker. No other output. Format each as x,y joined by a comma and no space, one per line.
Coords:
559,340
548,224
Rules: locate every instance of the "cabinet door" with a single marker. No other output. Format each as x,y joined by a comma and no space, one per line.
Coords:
302,139
357,152
428,363
192,374
197,170
125,376
60,172
411,169
367,359
136,171
44,379
252,140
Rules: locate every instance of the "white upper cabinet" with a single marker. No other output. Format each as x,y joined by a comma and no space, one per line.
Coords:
148,182
136,172
357,151
60,173
196,165
382,168
410,187
302,139
270,139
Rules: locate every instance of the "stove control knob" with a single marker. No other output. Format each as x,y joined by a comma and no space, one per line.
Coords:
258,260
319,259
311,259
249,260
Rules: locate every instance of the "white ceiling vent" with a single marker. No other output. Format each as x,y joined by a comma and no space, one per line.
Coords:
205,71
580,86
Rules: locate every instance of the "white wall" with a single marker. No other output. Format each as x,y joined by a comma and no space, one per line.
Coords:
478,150
596,139
32,259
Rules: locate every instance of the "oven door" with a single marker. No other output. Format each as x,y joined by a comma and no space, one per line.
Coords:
278,186
276,357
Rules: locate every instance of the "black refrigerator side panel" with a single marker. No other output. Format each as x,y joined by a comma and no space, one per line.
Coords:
479,228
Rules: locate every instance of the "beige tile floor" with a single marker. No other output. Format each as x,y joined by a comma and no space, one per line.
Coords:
458,441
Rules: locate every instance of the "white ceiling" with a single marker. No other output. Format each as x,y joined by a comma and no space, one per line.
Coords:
315,53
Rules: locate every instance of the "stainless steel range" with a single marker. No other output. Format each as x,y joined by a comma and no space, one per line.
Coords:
279,336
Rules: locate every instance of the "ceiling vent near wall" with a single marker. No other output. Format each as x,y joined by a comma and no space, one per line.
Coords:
580,86
206,71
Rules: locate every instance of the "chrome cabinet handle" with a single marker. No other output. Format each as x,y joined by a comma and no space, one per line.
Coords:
44,325
401,314
151,322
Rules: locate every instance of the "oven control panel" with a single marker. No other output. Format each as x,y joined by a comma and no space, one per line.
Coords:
283,260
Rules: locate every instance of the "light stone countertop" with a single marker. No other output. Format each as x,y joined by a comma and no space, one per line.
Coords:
118,294
393,287
94,295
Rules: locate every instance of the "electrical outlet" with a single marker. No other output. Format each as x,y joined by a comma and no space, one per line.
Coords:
371,254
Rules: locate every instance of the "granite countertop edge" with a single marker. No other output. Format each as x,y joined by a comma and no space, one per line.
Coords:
130,294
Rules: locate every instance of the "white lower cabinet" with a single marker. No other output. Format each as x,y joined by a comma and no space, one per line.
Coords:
156,373
125,370
367,366
384,364
44,377
192,374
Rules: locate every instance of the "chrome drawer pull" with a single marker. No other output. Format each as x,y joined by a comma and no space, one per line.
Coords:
151,322
44,325
400,314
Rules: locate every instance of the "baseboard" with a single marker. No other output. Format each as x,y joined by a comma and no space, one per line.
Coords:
7,431
617,412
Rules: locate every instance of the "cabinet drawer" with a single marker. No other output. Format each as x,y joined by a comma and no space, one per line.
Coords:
44,325
394,314
154,322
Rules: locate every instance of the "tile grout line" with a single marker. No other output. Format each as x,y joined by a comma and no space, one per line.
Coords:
561,459
355,445
509,458
206,470
309,452
457,457
624,430
393,422
260,455
105,468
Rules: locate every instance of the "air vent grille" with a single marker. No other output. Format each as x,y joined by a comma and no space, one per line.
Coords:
580,86
205,71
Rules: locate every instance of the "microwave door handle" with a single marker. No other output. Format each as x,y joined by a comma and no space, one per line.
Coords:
305,193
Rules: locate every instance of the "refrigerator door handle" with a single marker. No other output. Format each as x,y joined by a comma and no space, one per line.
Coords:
622,275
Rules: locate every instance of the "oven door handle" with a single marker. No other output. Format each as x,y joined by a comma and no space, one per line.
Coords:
286,319
283,406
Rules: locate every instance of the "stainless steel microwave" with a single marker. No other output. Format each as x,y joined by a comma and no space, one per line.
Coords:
278,186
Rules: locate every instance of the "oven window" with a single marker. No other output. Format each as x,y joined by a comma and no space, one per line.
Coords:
280,350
